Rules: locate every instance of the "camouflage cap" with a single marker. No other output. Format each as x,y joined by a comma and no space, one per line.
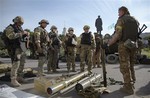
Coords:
18,19
86,27
70,29
53,27
44,21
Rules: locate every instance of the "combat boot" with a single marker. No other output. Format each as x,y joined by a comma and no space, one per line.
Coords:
127,89
15,83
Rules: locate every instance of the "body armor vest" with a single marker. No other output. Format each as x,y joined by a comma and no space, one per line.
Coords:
130,28
86,38
69,41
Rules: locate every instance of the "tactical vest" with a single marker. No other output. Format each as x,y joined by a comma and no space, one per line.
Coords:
13,43
43,36
54,37
86,38
130,28
69,41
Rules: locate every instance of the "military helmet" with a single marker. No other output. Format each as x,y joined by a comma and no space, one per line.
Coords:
53,27
70,29
86,27
107,36
18,19
44,21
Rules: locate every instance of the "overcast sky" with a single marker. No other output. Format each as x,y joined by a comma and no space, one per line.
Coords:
72,13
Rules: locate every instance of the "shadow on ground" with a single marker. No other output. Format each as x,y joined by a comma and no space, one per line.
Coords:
115,94
144,91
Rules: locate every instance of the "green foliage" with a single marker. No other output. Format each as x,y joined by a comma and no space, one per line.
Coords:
147,38
146,51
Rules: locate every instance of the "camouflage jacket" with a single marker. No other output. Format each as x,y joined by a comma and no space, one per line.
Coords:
41,36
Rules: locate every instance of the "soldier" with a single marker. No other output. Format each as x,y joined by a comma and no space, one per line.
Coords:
41,40
13,34
87,44
97,52
53,52
98,25
126,33
70,44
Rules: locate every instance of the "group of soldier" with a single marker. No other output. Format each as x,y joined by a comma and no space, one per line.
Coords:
48,45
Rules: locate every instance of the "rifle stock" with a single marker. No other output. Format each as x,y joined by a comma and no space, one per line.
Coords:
142,29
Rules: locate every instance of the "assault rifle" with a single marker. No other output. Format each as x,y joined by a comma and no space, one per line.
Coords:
141,30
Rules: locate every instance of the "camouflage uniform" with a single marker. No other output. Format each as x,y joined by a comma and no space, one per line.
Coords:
140,46
14,34
53,52
41,38
97,52
87,45
126,55
70,49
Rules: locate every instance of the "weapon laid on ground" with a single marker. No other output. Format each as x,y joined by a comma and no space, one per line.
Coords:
59,86
65,90
81,86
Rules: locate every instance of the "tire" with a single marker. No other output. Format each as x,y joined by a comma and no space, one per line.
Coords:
111,58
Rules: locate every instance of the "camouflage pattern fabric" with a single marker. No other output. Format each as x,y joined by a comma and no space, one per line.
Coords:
127,61
96,58
71,58
86,53
18,58
41,37
18,63
53,56
71,54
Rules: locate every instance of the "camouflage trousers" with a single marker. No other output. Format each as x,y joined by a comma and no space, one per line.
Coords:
18,63
42,59
96,58
127,60
86,54
71,58
53,56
